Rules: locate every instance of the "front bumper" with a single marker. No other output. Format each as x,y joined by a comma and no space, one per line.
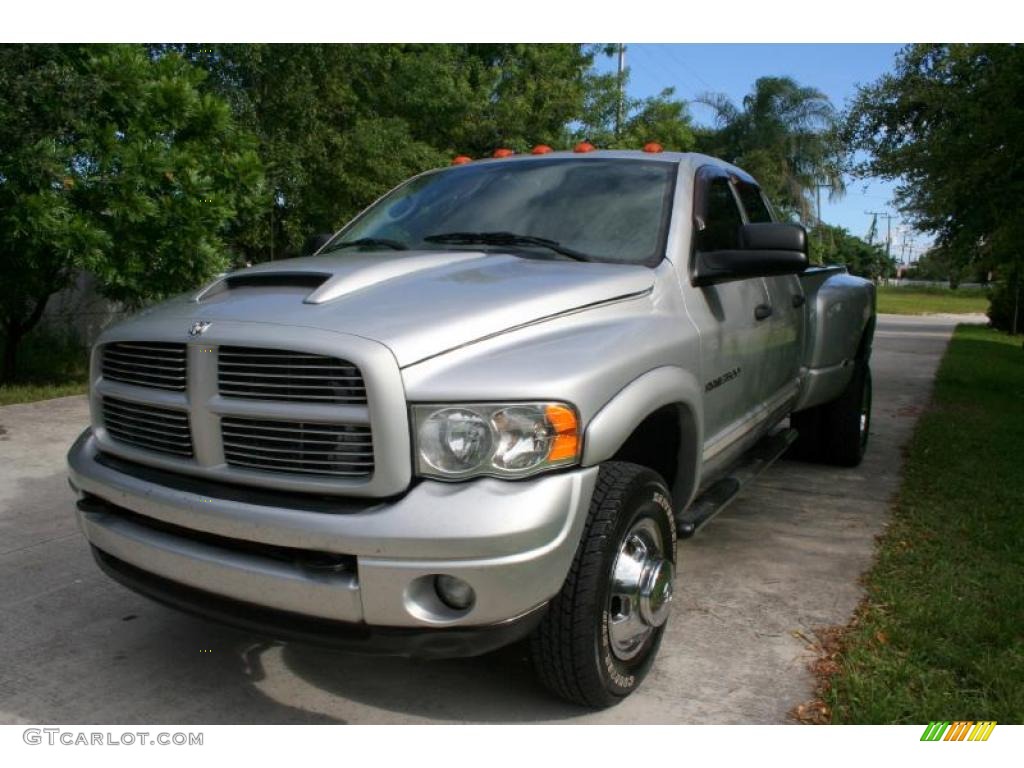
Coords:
513,542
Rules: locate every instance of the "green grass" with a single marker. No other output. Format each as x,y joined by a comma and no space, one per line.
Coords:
49,365
941,633
925,300
29,393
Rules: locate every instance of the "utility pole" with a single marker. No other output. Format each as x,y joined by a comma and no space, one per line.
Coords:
905,248
817,216
620,108
888,234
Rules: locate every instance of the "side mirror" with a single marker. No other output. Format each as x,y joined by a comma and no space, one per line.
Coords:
315,242
765,249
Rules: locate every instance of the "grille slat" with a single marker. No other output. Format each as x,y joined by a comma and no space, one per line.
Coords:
249,394
240,382
298,447
260,465
142,417
302,461
166,370
231,436
152,364
151,427
254,426
160,442
272,374
123,371
240,448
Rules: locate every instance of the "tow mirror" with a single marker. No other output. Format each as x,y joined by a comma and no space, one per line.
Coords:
765,249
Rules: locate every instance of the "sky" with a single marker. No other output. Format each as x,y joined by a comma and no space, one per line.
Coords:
835,69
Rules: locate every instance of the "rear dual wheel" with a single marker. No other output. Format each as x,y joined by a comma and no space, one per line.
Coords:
837,432
602,631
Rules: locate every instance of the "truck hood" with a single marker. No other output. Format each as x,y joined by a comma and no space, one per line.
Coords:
417,303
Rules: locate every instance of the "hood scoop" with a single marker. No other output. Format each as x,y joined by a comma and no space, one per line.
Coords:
302,283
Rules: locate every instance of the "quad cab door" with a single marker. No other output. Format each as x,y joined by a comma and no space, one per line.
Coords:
734,333
783,343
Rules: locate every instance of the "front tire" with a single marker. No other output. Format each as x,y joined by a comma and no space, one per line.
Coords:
602,631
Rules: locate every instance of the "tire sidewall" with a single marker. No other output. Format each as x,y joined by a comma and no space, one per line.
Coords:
647,497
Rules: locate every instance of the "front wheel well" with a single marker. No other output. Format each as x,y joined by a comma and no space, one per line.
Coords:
666,442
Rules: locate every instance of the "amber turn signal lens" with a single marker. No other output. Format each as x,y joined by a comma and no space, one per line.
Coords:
567,439
461,160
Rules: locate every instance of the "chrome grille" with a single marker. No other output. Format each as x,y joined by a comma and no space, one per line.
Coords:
298,447
148,426
277,374
146,364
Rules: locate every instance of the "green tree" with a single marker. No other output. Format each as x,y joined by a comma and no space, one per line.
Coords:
663,119
948,125
339,125
835,245
114,163
785,135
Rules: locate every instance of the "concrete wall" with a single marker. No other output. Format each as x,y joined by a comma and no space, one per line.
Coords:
80,310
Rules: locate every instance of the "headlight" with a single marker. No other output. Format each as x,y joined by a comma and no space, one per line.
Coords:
500,439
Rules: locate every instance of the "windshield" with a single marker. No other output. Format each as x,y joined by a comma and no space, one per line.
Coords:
606,209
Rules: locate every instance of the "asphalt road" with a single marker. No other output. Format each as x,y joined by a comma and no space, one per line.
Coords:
782,560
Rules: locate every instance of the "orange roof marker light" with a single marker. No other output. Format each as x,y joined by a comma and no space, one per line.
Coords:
584,146
461,160
653,146
541,149
503,152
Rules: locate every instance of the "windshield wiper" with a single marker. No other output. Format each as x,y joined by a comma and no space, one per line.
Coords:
393,244
505,238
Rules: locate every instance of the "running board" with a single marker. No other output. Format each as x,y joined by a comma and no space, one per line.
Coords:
717,497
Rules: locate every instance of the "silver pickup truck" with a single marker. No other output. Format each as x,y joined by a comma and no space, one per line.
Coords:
483,411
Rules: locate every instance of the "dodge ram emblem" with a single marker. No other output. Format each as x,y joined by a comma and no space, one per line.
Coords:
198,328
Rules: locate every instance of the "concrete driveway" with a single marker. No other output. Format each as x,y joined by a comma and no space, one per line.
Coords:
785,558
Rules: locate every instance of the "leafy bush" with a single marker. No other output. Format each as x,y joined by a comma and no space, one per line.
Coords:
1005,302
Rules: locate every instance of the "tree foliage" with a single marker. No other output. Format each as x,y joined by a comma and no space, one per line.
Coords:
339,125
115,163
835,245
785,135
948,124
610,120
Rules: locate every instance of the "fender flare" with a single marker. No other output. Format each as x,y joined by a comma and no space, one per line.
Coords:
611,426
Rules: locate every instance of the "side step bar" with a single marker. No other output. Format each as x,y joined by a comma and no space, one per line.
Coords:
717,497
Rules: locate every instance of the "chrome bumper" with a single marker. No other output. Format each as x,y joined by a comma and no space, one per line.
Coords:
513,542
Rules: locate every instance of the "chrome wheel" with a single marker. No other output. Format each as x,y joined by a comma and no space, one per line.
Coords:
865,412
640,590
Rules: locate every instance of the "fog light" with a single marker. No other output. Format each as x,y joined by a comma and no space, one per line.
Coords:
455,593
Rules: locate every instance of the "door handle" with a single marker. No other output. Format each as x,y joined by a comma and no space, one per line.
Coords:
798,300
762,311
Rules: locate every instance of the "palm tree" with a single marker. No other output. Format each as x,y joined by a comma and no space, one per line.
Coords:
786,135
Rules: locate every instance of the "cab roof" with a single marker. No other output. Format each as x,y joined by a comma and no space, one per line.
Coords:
694,160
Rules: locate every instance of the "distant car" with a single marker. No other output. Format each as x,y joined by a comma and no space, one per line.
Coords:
483,411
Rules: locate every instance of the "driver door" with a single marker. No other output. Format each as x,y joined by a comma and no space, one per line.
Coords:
734,334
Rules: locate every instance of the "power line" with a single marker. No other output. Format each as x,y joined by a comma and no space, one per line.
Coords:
649,57
672,54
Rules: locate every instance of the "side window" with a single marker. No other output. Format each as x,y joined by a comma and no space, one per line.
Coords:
753,203
722,220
